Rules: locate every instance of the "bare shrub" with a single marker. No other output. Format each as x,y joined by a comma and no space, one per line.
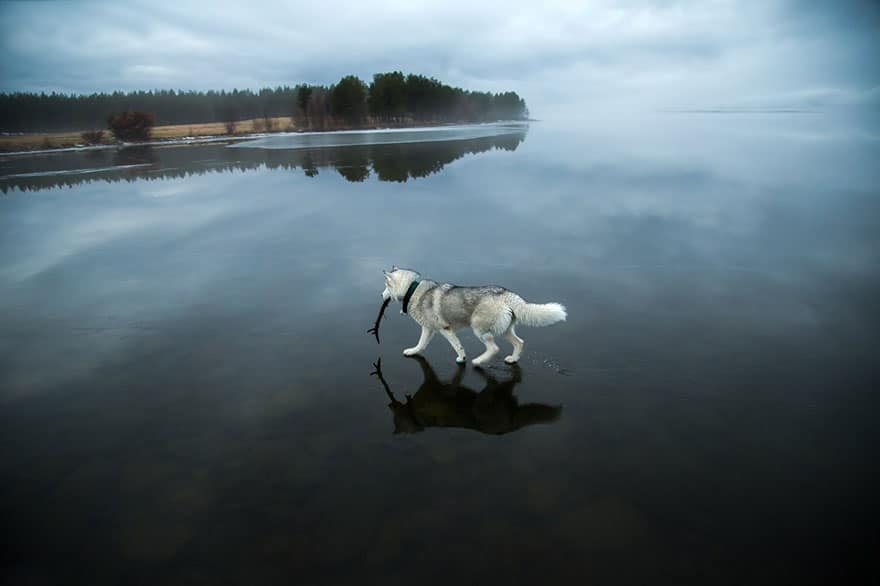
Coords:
131,126
92,136
230,118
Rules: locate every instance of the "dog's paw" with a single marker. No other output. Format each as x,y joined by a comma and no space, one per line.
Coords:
461,360
410,351
510,359
479,361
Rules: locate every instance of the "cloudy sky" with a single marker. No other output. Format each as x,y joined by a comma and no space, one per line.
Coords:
558,55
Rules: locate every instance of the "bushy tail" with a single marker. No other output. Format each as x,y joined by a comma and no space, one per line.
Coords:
537,314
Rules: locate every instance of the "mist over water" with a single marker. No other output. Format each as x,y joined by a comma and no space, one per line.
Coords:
185,378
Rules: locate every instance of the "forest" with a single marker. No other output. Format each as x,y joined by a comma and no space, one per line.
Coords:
390,98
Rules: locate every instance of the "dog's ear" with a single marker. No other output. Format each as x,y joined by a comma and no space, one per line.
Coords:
393,268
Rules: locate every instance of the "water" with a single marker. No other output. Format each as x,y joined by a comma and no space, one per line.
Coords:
185,376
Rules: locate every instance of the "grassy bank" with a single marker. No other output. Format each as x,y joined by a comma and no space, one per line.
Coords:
37,141
56,140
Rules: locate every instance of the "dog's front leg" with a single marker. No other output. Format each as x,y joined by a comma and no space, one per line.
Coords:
426,336
456,345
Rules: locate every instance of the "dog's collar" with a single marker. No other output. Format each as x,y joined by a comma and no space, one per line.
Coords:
409,294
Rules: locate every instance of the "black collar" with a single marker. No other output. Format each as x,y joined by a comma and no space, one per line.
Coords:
409,294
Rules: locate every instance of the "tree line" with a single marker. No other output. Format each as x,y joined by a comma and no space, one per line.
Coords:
390,98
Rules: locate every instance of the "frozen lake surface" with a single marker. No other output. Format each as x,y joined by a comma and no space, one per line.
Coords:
382,136
185,387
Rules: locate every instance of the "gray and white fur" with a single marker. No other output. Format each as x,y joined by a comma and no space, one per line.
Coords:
489,311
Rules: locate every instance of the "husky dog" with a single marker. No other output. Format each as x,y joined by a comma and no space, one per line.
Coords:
489,311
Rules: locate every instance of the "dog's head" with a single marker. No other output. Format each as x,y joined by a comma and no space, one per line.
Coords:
397,281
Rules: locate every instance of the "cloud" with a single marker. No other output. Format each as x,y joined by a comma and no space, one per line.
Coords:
557,54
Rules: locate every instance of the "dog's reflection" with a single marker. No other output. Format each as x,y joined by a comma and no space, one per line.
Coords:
494,410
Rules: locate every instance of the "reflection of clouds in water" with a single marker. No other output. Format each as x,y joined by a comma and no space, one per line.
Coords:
71,226
760,149
605,201
222,245
169,189
627,230
103,264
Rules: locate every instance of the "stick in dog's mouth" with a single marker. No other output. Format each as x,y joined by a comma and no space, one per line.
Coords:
375,329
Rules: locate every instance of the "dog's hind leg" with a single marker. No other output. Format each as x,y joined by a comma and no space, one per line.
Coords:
456,345
518,345
426,336
491,347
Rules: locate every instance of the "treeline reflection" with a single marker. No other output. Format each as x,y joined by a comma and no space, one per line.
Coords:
387,162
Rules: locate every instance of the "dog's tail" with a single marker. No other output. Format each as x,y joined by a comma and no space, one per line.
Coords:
537,314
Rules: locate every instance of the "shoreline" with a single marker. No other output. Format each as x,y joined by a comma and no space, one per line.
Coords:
192,134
